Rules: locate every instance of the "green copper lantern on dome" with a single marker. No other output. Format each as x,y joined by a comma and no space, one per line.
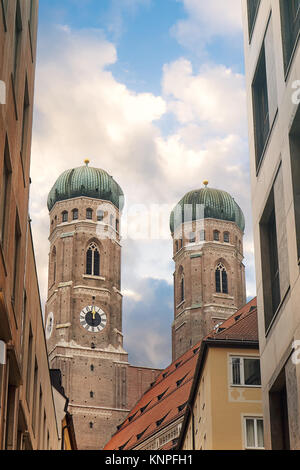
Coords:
86,181
214,204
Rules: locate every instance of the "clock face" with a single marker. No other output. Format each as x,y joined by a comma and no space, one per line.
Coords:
49,325
93,319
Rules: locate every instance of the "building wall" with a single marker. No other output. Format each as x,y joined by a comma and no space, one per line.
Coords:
219,407
273,188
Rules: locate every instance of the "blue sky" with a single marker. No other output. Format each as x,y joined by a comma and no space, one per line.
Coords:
153,92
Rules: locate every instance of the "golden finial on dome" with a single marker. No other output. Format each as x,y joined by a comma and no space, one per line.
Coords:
86,161
205,182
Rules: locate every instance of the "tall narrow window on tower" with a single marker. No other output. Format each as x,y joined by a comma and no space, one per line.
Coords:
221,279
93,260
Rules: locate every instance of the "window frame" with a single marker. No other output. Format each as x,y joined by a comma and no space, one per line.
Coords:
255,419
242,371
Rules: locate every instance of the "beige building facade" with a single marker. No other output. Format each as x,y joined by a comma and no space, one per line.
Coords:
224,409
272,58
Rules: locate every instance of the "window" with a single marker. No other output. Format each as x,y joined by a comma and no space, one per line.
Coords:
202,235
290,25
75,214
17,39
89,214
192,237
221,279
93,260
226,237
295,170
17,249
4,192
100,215
216,235
245,371
53,262
64,216
252,6
254,433
26,106
117,225
275,261
264,94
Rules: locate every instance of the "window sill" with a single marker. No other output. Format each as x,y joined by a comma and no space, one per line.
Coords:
244,386
90,276
181,303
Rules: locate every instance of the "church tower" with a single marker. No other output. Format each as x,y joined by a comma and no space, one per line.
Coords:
84,306
207,228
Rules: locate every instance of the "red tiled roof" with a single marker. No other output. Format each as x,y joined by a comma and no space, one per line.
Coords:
241,326
161,404
165,401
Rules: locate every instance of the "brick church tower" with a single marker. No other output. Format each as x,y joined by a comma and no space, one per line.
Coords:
207,228
84,307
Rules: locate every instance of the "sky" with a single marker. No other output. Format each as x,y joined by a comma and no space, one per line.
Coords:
153,92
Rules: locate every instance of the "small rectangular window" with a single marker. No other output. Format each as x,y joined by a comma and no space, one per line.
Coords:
254,433
245,371
89,214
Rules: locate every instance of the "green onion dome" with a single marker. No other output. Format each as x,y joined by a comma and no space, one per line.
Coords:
86,181
207,203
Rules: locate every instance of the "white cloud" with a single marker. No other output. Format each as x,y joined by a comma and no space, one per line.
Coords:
216,96
206,20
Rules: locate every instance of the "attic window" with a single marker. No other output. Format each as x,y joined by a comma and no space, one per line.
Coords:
179,382
159,397
237,317
132,416
181,407
138,436
165,374
144,407
160,421
195,350
252,308
178,364
124,445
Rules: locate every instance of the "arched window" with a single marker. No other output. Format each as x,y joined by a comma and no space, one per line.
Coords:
202,235
182,289
93,260
53,259
192,237
89,214
100,215
75,214
221,279
64,216
226,237
216,235
181,284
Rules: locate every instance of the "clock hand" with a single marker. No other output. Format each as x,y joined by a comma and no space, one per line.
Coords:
93,313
